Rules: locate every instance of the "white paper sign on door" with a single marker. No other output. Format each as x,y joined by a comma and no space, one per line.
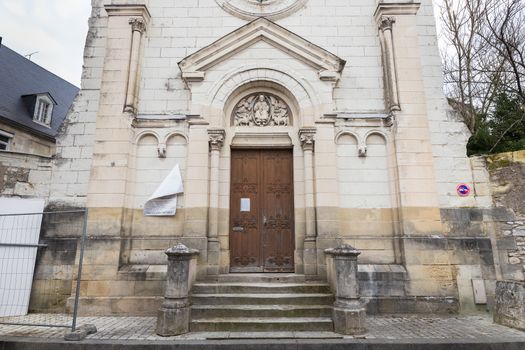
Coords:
245,204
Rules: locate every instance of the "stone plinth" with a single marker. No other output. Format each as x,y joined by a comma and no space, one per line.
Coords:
349,314
174,314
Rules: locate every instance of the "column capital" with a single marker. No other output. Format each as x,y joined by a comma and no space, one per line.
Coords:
386,23
137,24
307,138
216,139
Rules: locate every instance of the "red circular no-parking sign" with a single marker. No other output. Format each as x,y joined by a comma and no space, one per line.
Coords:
463,190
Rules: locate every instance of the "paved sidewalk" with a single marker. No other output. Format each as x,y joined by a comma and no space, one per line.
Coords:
389,328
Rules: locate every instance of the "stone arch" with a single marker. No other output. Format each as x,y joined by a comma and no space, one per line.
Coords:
346,137
303,92
379,133
145,133
175,134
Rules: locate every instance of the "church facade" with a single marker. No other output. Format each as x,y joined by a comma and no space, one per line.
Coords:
298,126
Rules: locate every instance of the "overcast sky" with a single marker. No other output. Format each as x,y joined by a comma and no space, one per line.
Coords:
55,28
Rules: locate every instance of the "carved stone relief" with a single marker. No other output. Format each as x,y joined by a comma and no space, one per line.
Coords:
261,109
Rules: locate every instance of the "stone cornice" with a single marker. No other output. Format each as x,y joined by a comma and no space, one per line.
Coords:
258,139
129,11
396,8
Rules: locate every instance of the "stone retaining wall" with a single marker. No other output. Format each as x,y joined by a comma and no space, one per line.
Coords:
507,175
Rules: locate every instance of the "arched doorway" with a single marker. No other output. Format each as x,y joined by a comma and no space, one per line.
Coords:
261,225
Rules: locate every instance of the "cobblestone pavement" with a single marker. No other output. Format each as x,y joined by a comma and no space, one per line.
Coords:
398,327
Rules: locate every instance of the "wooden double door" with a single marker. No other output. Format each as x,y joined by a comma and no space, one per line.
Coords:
261,211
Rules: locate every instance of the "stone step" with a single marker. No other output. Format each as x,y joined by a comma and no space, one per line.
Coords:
272,335
263,299
260,278
258,311
264,324
260,288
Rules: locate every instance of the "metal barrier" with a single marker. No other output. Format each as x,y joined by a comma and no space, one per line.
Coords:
34,249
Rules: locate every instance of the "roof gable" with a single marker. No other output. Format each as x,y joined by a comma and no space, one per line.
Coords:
329,65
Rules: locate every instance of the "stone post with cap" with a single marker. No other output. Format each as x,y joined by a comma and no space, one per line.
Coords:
174,314
349,313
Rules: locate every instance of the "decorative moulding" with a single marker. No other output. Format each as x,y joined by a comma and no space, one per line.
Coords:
251,9
194,66
274,139
193,76
129,11
389,8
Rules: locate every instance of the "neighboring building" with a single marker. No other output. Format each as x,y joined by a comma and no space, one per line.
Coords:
298,125
33,105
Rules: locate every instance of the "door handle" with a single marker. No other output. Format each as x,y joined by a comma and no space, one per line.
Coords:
264,220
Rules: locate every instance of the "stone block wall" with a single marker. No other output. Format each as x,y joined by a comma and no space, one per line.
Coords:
510,304
24,175
27,143
57,263
507,174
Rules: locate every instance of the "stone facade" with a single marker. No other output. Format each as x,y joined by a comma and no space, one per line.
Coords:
354,89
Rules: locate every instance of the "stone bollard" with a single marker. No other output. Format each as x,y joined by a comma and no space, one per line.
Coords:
174,314
349,313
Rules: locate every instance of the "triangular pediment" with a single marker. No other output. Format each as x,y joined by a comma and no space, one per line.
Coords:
326,63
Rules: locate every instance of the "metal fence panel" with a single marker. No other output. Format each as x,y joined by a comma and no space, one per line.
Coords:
23,239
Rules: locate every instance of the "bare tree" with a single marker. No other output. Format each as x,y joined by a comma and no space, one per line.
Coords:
472,72
484,54
505,35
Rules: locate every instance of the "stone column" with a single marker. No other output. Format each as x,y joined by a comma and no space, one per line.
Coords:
307,137
349,313
138,27
216,141
387,46
174,314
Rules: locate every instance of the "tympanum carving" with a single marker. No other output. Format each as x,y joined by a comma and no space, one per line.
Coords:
261,109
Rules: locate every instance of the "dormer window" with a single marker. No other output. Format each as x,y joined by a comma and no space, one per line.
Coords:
43,110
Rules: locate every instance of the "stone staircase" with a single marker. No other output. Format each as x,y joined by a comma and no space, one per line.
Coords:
261,303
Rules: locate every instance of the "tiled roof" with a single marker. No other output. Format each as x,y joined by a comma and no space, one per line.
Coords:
21,77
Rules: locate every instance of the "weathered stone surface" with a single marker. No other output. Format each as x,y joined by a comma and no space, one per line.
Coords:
174,315
510,304
349,313
350,320
173,320
261,302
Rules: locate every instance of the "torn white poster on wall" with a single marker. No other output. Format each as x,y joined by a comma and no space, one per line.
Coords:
164,201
